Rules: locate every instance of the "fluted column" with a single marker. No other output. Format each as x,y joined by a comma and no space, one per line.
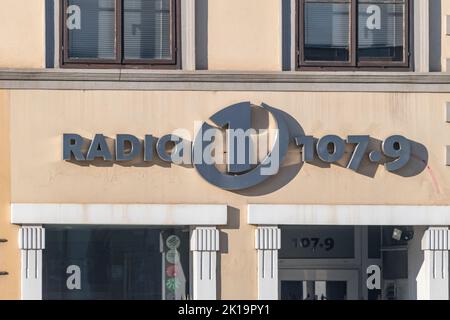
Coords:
433,284
204,247
31,244
267,243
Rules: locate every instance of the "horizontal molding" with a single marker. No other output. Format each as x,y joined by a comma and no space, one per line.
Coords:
81,79
117,214
364,215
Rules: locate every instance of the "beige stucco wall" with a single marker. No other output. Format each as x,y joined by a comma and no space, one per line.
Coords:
9,253
39,118
244,35
248,39
22,34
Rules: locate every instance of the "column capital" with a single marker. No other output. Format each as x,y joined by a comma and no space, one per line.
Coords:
433,282
31,244
268,238
32,238
205,239
436,239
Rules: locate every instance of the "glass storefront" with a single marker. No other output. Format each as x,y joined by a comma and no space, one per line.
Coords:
344,263
116,263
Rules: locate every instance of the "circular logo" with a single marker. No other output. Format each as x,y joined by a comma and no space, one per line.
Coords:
172,256
240,174
173,242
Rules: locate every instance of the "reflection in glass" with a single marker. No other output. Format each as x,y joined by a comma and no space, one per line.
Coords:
147,29
313,290
317,242
327,31
104,263
381,30
92,33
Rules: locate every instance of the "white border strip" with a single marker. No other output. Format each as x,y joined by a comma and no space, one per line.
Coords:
117,214
366,215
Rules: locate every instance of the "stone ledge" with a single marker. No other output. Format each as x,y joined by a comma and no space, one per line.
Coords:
214,76
89,79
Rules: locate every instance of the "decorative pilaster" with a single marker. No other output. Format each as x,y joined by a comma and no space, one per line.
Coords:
434,282
188,34
31,244
421,36
204,247
267,243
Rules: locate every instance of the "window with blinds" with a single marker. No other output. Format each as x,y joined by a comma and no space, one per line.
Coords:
353,33
327,31
124,32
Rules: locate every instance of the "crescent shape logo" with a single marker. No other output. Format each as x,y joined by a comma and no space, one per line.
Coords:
241,175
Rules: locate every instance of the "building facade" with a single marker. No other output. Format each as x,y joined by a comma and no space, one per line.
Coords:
351,97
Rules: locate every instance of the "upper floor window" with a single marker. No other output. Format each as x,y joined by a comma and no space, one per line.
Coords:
120,32
353,33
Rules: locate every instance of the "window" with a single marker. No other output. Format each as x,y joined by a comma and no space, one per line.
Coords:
353,33
120,33
116,263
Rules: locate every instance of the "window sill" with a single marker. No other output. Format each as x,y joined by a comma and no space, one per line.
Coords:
130,79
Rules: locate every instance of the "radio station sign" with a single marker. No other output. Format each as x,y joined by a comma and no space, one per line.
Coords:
231,142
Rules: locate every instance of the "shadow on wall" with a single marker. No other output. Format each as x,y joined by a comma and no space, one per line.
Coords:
137,162
293,162
416,165
291,165
233,219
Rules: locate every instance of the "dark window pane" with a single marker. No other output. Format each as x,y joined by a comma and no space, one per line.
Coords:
317,242
374,242
327,31
374,294
147,29
91,28
313,290
105,263
381,30
291,290
395,265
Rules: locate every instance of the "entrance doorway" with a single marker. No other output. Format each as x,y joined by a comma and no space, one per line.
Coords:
304,284
344,262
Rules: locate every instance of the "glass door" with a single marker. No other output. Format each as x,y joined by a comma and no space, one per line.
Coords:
302,284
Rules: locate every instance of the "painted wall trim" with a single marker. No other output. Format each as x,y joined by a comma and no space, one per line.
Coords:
116,214
421,36
188,34
80,79
365,215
